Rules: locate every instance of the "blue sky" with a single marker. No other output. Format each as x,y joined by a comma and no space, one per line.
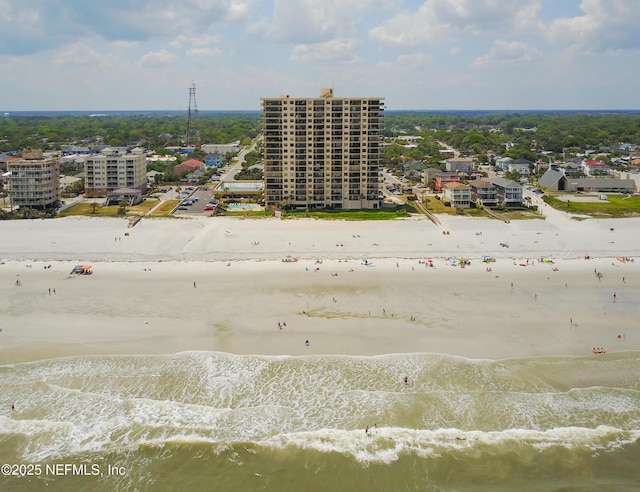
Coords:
418,54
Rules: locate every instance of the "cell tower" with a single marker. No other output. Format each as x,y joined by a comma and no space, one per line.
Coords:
192,136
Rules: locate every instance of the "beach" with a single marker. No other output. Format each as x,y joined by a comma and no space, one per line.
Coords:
356,288
301,354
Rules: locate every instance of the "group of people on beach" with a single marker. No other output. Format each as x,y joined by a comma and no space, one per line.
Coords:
598,350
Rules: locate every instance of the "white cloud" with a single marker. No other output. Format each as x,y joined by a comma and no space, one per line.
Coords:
507,53
124,45
312,21
605,27
193,40
36,25
336,50
77,54
157,58
204,52
406,61
441,21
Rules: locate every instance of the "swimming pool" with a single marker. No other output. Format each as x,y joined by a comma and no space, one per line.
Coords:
242,206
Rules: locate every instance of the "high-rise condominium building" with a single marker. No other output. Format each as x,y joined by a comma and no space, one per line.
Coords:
34,181
322,152
110,171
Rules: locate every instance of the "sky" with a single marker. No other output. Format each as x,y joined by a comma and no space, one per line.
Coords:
417,54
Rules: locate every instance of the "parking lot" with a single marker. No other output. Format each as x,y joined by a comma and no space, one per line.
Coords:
194,202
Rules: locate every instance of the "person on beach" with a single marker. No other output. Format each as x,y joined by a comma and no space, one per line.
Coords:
406,380
194,285
13,407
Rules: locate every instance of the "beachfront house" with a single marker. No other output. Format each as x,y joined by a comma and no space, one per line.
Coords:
508,193
130,196
457,194
483,192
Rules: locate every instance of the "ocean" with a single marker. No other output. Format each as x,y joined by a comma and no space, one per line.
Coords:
221,422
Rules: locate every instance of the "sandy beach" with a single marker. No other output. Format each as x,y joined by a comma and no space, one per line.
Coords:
220,284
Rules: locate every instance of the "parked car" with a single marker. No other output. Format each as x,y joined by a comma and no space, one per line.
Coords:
209,207
183,207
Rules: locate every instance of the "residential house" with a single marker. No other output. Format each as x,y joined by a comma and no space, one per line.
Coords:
443,177
68,182
430,174
195,176
448,153
222,149
130,196
572,167
521,166
214,160
459,165
595,168
457,194
503,163
187,167
408,141
153,178
483,192
508,193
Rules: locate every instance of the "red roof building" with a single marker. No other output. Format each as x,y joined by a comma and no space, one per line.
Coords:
187,167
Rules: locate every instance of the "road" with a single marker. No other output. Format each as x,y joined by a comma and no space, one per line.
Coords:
231,171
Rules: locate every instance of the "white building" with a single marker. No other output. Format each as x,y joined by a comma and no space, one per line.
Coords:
458,194
110,170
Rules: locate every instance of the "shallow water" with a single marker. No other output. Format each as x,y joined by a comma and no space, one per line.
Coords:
215,421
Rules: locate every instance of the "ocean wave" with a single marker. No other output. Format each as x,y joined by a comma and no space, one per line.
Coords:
75,405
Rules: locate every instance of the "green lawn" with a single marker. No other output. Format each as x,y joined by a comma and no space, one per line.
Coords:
616,206
369,214
165,208
111,211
